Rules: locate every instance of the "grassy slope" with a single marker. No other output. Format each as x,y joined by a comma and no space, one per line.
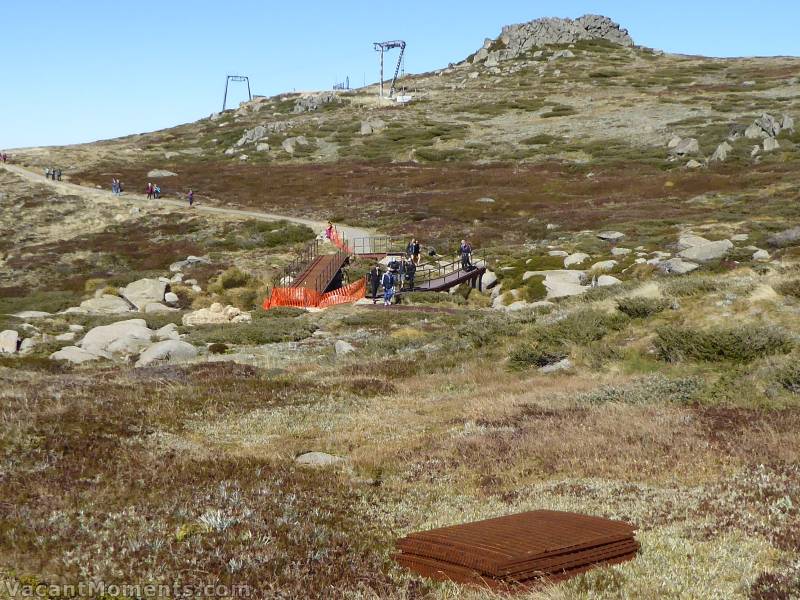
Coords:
188,472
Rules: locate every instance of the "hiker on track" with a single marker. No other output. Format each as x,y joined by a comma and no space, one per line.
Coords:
388,281
157,192
466,255
190,197
410,272
149,191
374,282
114,186
329,231
47,173
58,174
415,251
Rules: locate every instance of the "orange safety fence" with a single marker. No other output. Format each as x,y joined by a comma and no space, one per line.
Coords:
349,293
338,241
302,297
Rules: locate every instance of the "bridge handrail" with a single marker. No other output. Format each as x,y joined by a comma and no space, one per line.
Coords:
447,269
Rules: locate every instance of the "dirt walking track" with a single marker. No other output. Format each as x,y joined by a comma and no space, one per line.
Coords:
66,188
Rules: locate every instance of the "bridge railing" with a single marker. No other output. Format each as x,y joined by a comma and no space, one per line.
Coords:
325,276
454,267
299,264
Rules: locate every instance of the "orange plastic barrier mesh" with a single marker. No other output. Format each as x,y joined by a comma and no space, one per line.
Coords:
302,297
337,241
349,293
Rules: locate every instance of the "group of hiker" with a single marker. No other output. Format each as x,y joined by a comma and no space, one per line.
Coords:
54,174
153,191
401,272
116,186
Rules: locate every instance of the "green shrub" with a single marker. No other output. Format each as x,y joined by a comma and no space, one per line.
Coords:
788,376
655,389
231,278
693,286
260,331
540,139
536,354
641,308
789,288
737,344
559,111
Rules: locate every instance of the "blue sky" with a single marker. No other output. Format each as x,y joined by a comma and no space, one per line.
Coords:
85,70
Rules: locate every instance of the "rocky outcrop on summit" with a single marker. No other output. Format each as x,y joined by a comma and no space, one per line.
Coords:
518,39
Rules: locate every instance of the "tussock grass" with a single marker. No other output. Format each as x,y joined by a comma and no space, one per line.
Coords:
744,343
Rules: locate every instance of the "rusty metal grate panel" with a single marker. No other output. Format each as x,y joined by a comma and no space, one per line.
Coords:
517,547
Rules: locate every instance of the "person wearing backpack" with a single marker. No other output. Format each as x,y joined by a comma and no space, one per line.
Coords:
466,255
374,282
411,271
388,287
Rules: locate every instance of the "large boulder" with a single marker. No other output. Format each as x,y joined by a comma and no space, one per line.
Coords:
290,144
689,240
104,305
707,252
770,144
560,284
575,259
168,332
604,265
787,124
676,266
9,341
74,355
607,281
768,125
167,351
686,147
216,314
144,291
721,153
372,126
125,337
787,237
341,347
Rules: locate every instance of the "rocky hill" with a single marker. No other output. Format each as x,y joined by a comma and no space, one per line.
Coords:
518,39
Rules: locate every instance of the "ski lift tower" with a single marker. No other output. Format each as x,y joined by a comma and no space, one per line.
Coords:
230,78
385,47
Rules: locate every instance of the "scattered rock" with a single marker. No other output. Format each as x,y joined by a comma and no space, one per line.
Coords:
485,200
560,284
721,153
562,365
604,265
561,253
787,124
673,142
77,328
27,345
761,255
69,336
318,459
676,266
740,237
171,298
190,261
561,54
168,332
611,236
576,259
620,251
262,147
755,150
693,164
343,347
122,337
686,147
785,238
144,291
155,173
167,351
31,314
104,305
489,279
771,144
607,280
74,355
314,102
689,240
215,314
9,342
154,308
707,252
290,144
768,125
372,126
